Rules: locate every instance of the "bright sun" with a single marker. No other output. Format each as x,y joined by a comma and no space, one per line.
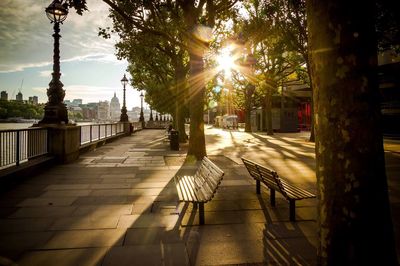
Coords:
225,61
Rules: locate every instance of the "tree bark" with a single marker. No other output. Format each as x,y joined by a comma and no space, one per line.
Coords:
197,47
248,104
197,143
268,109
312,124
180,95
354,221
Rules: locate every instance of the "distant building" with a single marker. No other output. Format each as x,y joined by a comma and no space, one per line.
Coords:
19,97
76,102
134,114
67,103
115,108
103,110
4,96
33,100
89,111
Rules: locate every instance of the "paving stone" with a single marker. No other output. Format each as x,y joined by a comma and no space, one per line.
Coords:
73,180
47,201
43,212
162,254
91,222
118,176
12,245
154,235
111,186
291,251
110,165
103,210
66,193
66,257
225,233
119,180
148,220
225,253
108,200
68,186
25,224
221,217
126,192
85,239
150,184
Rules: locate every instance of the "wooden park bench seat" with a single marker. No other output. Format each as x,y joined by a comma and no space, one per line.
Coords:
201,187
272,180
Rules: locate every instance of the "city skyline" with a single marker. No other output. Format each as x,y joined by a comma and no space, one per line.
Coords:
90,70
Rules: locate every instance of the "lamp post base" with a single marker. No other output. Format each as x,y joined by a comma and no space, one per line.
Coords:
124,118
55,114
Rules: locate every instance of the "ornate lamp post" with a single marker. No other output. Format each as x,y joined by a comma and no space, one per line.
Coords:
141,118
156,116
124,116
55,111
151,114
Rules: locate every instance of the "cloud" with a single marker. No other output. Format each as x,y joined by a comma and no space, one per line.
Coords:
89,93
98,57
26,35
40,89
8,68
45,73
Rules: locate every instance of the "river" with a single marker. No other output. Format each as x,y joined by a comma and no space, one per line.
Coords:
6,126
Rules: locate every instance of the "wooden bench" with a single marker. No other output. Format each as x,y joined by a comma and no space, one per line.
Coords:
272,180
200,187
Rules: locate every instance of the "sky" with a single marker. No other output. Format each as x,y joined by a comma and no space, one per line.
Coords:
90,70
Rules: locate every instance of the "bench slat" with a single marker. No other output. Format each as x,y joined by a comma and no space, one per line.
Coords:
187,185
202,186
271,179
251,168
296,192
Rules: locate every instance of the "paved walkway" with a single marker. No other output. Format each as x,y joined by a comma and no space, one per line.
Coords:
118,205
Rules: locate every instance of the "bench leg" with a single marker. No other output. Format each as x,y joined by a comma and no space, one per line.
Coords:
258,186
272,197
201,213
292,210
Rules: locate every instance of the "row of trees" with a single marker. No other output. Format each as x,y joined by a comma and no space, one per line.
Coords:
20,109
331,44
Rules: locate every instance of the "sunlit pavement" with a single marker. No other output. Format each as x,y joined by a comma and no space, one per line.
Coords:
118,205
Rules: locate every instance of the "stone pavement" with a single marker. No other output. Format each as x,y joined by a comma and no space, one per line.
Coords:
117,205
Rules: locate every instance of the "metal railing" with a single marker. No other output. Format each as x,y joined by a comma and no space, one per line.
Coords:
20,145
97,132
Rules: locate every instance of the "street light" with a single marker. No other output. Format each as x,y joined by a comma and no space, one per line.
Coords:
141,118
55,111
124,116
151,114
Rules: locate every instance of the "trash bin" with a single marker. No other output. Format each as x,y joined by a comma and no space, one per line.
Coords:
174,140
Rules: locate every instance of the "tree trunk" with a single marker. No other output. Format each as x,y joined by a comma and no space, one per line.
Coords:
249,92
197,143
180,96
268,109
354,221
197,47
312,129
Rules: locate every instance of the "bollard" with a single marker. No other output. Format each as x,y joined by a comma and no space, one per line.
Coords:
174,140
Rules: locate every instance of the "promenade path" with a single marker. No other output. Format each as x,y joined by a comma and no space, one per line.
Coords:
117,205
